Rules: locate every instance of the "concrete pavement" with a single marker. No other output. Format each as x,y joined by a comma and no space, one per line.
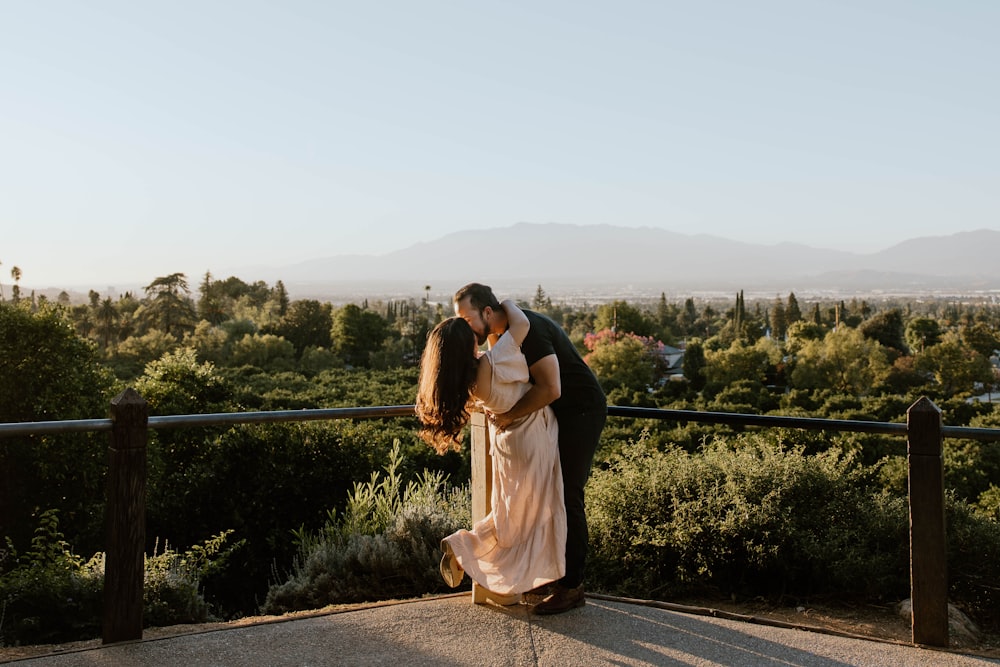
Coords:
451,631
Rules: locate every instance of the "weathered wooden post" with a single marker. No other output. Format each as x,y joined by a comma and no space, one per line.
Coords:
126,519
482,481
928,549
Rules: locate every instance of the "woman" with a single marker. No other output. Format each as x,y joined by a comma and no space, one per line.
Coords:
521,544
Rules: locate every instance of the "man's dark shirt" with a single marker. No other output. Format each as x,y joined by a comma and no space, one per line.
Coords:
580,390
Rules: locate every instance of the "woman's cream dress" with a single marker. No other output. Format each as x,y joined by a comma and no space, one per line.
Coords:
521,543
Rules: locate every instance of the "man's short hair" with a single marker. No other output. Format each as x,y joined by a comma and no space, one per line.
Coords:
480,296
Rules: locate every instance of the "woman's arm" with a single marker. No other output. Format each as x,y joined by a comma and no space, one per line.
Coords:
517,321
484,380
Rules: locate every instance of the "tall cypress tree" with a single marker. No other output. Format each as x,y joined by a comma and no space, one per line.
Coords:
792,312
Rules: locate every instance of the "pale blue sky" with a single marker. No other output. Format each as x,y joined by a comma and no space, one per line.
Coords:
142,138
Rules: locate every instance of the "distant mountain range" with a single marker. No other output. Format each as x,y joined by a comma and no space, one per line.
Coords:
595,257
597,262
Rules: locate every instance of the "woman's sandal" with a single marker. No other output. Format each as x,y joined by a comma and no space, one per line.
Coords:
451,571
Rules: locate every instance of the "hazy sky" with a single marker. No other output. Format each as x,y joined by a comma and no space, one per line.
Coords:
142,138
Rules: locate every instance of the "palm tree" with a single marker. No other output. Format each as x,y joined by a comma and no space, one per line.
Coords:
15,274
107,318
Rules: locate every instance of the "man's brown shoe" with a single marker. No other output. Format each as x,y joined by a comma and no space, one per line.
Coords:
540,593
562,599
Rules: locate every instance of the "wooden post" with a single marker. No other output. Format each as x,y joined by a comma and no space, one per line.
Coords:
928,553
126,519
482,481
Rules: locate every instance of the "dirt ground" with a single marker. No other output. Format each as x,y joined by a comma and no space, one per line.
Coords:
863,620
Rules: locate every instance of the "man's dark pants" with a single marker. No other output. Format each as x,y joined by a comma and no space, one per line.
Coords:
579,437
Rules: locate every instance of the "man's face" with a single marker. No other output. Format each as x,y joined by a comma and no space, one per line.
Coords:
476,320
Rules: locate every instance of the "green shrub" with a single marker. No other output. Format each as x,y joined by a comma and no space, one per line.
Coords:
48,373
51,595
260,480
384,545
172,582
974,562
746,518
749,517
988,504
970,467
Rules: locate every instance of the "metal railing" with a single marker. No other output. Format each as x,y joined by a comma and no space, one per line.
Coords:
130,422
210,419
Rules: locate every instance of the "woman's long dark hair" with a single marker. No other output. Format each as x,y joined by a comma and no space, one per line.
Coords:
447,376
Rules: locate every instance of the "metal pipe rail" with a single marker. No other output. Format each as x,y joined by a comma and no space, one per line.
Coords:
210,419
697,416
806,423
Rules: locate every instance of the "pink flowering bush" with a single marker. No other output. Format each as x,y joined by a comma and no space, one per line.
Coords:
608,337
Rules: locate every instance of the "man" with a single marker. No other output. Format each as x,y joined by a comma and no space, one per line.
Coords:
562,379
